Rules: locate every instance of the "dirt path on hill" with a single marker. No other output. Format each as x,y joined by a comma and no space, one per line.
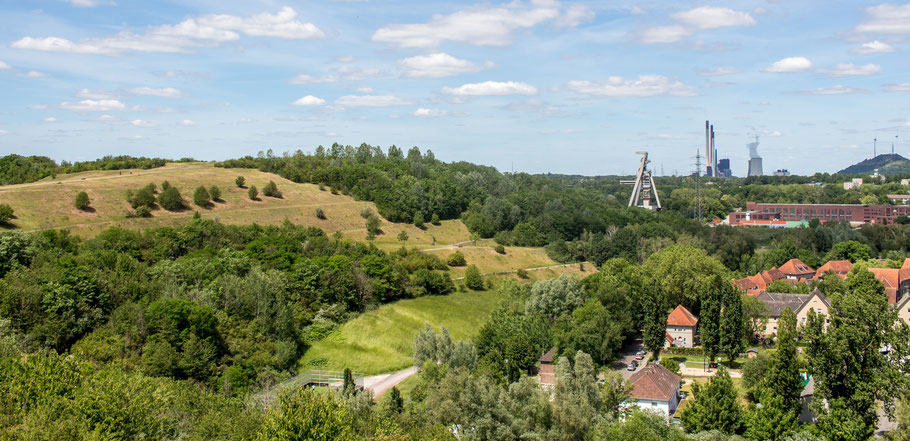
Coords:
499,273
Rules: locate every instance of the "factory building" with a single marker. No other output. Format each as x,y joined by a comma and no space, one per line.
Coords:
782,213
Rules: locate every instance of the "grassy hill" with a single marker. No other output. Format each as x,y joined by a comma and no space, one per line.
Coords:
48,203
382,340
886,165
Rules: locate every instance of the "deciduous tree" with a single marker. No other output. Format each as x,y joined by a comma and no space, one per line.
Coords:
82,201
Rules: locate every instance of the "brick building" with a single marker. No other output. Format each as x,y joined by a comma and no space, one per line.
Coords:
853,213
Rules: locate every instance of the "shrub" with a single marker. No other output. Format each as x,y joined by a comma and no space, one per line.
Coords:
403,236
151,186
435,219
81,201
373,223
473,279
523,274
165,185
6,213
321,187
145,197
271,190
253,193
670,364
143,211
456,259
500,249
418,220
240,181
215,192
171,199
320,214
201,197
366,212
334,190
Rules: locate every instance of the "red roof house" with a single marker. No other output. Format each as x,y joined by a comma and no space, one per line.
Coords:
655,388
796,269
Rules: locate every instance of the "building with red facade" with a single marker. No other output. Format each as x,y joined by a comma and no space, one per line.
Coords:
853,213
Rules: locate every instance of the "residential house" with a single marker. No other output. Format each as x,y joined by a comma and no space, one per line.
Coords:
681,328
753,285
903,309
546,369
896,281
840,267
795,269
800,304
655,388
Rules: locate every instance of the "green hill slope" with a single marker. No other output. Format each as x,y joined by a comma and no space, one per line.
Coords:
886,165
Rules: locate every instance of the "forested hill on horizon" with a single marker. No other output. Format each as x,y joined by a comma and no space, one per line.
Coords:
886,164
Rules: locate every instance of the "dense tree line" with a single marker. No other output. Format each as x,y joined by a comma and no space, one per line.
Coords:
16,169
230,307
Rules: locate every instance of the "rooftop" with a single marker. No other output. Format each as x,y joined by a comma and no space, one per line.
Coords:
682,317
654,382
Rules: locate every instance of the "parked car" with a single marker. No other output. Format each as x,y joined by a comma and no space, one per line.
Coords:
631,367
640,355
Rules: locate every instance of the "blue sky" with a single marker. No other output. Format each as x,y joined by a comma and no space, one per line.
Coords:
541,86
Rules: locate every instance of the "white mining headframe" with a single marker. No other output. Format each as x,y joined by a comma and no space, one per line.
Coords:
644,191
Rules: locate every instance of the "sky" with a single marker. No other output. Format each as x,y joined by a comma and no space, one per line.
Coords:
532,85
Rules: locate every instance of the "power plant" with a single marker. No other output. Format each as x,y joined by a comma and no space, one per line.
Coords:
754,165
714,168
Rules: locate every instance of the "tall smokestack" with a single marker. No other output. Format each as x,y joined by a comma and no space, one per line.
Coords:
713,155
707,143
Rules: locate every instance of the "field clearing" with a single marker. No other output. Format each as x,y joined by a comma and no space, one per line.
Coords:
737,383
382,340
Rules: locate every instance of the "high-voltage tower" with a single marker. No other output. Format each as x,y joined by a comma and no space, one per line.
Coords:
644,191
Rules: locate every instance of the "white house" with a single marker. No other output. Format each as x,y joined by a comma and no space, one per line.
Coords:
655,389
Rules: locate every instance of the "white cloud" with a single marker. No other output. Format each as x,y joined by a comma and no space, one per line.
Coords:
644,86
307,79
663,34
364,89
95,94
206,30
707,17
142,123
719,71
848,69
34,74
790,64
430,113
86,3
167,92
309,100
187,123
354,73
3,132
4,66
839,89
771,133
900,87
887,18
488,88
481,25
438,65
93,105
873,47
345,59
107,118
371,101
50,119
575,15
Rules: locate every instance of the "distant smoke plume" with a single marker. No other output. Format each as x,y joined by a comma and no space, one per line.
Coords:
753,149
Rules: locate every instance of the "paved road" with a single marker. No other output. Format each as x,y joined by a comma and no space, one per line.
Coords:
628,354
379,384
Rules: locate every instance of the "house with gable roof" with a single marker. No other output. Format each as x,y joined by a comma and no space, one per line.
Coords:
656,389
681,328
800,304
795,269
840,267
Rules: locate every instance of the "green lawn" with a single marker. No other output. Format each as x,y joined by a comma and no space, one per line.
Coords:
382,340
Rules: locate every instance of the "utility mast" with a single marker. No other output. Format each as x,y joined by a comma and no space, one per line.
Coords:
644,191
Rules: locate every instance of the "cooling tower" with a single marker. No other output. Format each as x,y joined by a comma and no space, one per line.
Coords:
754,167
